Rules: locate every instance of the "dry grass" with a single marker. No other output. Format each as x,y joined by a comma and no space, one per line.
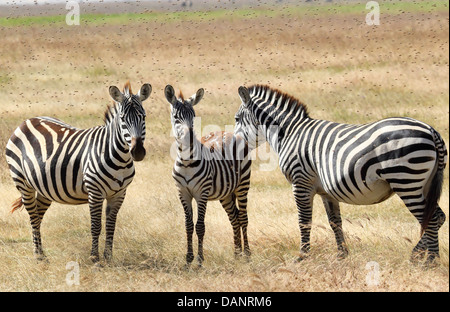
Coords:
342,69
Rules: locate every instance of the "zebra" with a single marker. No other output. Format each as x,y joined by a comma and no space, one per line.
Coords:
50,160
354,164
217,167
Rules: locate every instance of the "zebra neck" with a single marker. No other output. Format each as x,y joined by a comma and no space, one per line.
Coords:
278,126
277,113
189,150
117,147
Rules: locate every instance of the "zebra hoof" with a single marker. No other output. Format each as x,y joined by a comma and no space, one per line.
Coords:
243,256
417,255
98,265
108,256
432,260
94,258
41,258
302,256
342,254
200,261
189,258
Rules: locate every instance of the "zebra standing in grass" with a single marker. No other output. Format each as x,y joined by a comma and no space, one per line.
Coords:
215,168
355,164
53,161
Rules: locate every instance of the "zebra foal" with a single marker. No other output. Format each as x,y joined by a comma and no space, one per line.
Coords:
50,160
217,167
354,164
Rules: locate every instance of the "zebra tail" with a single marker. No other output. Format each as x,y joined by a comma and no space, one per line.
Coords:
434,193
16,204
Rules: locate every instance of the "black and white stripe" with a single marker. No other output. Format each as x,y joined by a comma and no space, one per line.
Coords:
53,161
355,164
215,168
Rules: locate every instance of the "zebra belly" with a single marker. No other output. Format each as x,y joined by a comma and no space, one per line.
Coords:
380,190
225,180
375,192
220,193
59,185
216,190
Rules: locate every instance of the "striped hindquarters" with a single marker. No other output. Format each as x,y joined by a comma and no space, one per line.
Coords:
47,155
365,164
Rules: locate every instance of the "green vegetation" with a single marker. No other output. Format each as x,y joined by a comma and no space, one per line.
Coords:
397,7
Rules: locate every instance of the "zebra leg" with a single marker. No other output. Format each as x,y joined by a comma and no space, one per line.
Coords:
429,241
95,209
200,227
30,203
439,218
415,202
186,201
334,218
243,220
42,205
431,235
229,204
303,198
112,208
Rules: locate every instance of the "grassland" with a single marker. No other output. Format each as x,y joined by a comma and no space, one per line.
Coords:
325,55
392,8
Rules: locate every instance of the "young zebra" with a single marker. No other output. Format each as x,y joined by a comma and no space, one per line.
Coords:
355,164
53,161
215,168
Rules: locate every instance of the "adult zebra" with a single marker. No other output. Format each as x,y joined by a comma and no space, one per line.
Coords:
215,168
53,161
355,164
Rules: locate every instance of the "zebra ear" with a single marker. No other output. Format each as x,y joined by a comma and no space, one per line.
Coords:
169,92
197,97
244,95
145,91
116,95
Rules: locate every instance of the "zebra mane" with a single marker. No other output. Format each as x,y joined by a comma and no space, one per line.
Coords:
127,87
293,103
110,112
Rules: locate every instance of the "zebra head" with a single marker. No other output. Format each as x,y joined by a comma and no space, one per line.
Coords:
132,117
247,125
182,113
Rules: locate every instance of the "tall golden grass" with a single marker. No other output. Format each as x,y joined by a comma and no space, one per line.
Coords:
342,69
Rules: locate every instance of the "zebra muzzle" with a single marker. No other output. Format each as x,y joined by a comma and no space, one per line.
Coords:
137,149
